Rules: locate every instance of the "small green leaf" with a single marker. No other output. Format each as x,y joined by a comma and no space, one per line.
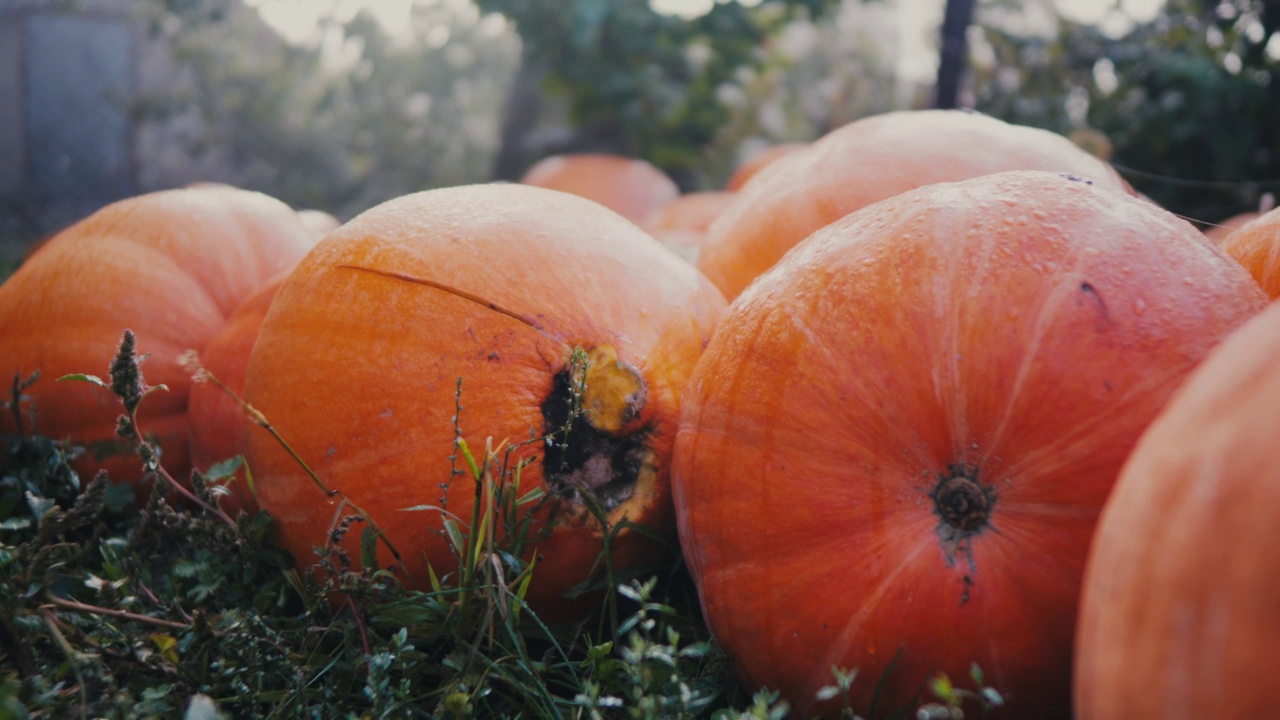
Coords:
15,523
82,377
189,568
826,692
225,469
455,537
471,460
369,548
39,505
942,687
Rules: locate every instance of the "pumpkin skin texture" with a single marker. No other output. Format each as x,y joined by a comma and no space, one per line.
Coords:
869,160
1178,615
1221,231
631,187
216,422
750,167
1256,246
360,357
899,440
681,225
169,265
319,222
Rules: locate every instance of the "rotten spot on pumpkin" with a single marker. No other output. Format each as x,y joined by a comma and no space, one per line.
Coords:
589,444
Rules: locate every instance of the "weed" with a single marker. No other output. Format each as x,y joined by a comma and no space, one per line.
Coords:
111,608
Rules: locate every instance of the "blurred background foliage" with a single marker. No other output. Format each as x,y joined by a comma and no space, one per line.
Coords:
1187,99
354,108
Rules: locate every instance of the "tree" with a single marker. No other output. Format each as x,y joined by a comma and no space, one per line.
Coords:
1187,100
638,82
341,124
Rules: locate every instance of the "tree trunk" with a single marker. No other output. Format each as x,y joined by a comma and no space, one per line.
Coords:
955,24
520,117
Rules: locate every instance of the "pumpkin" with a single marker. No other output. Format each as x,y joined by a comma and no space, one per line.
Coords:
868,160
1256,246
320,222
893,452
631,187
756,162
682,224
1222,230
216,421
171,266
1178,615
479,295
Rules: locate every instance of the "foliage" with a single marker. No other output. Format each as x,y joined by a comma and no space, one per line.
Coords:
1186,99
352,120
114,610
648,83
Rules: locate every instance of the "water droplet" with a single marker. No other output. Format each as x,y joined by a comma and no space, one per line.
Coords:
871,646
1139,306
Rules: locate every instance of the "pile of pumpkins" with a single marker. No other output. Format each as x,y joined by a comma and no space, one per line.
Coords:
931,390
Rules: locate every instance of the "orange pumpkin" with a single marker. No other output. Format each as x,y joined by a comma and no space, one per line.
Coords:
493,287
631,187
892,454
750,167
1178,615
870,160
682,224
1221,231
170,265
217,428
320,222
1256,246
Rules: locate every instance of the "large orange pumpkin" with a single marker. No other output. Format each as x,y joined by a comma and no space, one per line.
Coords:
892,454
869,160
492,286
217,428
1256,246
1180,615
631,187
171,266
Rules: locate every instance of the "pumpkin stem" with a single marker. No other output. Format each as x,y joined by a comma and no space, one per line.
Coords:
963,504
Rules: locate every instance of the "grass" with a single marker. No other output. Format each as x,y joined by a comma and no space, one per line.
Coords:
110,608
